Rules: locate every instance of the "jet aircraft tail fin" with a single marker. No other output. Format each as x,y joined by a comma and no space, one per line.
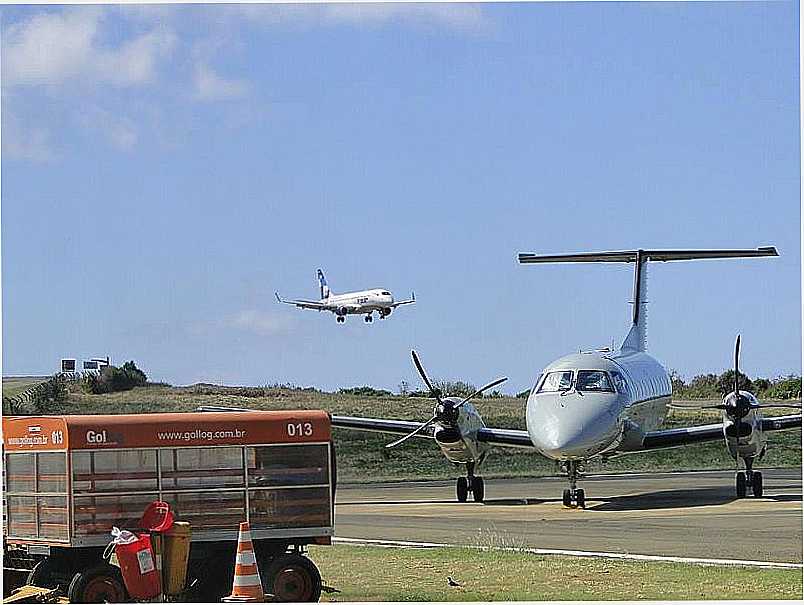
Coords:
322,283
636,340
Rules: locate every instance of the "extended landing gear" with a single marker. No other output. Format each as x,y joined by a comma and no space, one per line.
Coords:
340,319
573,497
472,484
749,478
369,318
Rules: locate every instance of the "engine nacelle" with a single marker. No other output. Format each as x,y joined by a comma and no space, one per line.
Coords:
342,311
456,448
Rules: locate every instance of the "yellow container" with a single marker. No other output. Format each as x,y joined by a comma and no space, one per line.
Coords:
174,559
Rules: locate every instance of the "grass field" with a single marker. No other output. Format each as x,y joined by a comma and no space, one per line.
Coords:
362,457
364,573
16,384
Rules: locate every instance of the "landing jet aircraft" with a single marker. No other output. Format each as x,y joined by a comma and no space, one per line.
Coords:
364,302
596,403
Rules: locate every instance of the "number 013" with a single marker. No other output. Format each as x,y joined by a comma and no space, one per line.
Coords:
300,429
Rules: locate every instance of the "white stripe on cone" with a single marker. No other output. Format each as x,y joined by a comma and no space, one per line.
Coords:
250,580
246,558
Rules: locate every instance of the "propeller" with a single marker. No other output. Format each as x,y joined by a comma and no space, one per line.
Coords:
737,406
445,410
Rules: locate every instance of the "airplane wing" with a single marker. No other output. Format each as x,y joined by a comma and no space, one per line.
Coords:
708,432
304,304
502,437
405,302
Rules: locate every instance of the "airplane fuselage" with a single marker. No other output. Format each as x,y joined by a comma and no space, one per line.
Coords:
361,303
597,403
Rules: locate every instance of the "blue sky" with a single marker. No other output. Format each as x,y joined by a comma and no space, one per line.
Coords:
166,168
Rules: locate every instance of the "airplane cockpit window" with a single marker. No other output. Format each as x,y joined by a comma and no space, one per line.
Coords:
384,293
619,382
593,380
557,381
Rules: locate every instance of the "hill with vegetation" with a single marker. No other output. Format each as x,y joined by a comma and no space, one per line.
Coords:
362,456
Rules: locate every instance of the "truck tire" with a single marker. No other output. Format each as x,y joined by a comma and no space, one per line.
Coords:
292,578
42,574
102,583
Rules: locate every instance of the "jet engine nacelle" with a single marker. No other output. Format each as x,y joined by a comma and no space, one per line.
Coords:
342,311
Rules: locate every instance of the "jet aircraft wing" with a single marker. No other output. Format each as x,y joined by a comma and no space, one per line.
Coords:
405,302
708,432
304,304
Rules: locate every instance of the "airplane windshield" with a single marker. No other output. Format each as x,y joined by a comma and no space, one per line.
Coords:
384,293
557,381
593,380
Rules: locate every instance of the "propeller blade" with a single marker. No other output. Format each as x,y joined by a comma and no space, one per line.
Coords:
796,406
409,435
426,380
480,390
737,367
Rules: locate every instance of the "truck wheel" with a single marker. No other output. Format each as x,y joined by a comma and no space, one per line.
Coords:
100,584
42,574
293,579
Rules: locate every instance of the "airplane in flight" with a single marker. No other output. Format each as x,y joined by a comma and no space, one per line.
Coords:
365,302
594,404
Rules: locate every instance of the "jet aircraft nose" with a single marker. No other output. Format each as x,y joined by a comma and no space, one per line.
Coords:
572,426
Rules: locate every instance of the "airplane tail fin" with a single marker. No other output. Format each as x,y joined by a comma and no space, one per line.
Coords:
322,283
636,340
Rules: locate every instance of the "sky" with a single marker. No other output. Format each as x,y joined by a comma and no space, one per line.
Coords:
165,169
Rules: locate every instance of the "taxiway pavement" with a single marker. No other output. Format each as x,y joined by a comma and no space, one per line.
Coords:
687,514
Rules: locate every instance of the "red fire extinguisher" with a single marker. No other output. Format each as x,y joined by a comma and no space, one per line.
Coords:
135,555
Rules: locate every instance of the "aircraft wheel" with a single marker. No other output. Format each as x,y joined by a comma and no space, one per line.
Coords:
756,484
741,484
462,489
340,320
478,489
566,498
580,498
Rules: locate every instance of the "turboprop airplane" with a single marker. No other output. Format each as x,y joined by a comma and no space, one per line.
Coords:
364,302
594,404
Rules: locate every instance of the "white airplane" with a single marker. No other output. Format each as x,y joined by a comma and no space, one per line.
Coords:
593,404
364,302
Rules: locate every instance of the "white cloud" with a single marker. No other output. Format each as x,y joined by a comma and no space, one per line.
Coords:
31,144
209,86
263,323
463,17
53,48
119,130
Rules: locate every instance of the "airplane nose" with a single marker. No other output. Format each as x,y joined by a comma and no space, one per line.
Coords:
573,426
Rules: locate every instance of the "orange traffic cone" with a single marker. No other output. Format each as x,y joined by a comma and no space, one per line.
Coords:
247,587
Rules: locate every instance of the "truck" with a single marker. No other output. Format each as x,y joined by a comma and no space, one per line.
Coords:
68,480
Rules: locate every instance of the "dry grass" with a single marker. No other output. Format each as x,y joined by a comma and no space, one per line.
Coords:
386,574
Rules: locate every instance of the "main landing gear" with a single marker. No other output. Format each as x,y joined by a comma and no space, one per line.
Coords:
470,483
369,318
340,319
573,497
749,478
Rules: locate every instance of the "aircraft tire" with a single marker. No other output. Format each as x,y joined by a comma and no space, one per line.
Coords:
462,489
756,484
566,498
580,498
478,489
741,484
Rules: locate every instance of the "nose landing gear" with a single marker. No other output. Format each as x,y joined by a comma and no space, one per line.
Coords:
573,497
749,478
470,483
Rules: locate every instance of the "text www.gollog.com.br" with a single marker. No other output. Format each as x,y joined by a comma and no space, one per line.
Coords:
200,435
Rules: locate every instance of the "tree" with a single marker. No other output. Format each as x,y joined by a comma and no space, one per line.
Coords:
725,382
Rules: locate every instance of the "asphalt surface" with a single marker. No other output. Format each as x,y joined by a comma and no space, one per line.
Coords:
669,514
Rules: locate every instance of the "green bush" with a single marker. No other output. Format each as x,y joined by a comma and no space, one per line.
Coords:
112,379
787,388
365,391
